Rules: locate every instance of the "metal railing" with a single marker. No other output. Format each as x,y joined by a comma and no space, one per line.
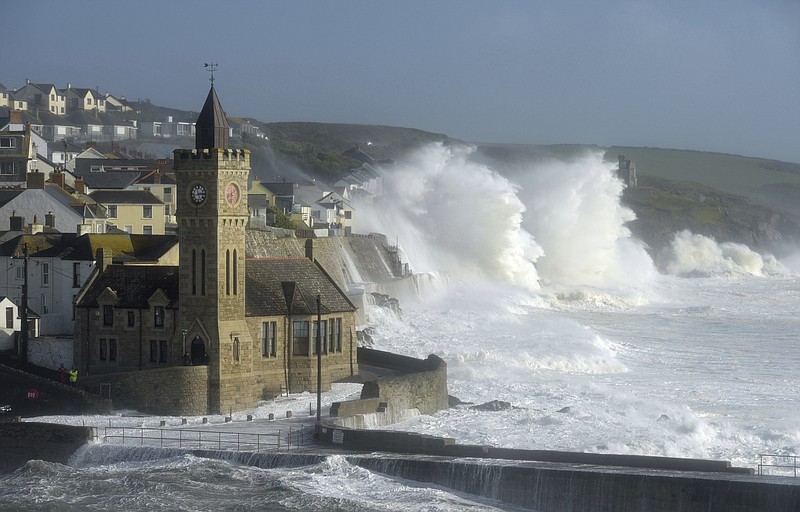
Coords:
290,439
785,465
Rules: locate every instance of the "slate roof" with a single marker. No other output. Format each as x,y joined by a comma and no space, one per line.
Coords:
124,247
134,285
83,166
280,189
212,129
125,197
289,286
150,178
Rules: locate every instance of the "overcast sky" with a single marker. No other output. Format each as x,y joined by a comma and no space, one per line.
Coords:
715,75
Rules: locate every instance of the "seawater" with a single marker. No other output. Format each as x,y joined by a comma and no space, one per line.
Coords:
531,288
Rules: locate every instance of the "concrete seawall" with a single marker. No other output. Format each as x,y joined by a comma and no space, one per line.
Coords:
540,480
21,442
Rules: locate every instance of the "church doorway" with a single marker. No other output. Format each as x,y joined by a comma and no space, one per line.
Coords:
199,355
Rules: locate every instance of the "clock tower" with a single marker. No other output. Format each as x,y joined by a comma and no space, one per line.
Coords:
212,215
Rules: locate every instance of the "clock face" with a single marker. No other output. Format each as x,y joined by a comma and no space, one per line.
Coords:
232,193
198,194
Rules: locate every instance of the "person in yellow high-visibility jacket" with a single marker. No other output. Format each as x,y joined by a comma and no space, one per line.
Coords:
73,376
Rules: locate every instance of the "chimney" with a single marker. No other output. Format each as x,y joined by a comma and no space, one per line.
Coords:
84,229
104,258
161,165
16,221
36,227
90,144
50,220
80,186
57,178
157,177
15,117
310,249
35,180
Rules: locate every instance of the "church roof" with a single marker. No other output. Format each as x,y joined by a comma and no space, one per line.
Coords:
289,286
212,129
133,285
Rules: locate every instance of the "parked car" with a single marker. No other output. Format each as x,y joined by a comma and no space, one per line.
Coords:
5,408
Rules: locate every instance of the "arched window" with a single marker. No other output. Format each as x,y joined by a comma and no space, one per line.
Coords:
202,271
235,273
236,349
194,272
228,272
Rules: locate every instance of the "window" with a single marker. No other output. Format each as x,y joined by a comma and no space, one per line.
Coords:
167,194
9,168
158,316
236,349
131,318
202,271
8,142
45,274
228,272
147,211
108,315
153,351
112,211
300,338
166,210
76,274
194,272
20,273
332,335
268,339
235,273
323,337
9,318
147,230
44,304
108,349
163,352
338,325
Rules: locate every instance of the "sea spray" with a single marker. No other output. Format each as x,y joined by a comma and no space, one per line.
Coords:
575,214
693,254
455,216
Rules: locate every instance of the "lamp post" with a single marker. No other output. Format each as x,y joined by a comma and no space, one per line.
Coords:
319,362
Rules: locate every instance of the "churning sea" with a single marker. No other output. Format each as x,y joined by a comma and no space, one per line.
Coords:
547,304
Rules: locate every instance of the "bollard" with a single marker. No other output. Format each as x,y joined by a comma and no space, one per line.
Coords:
205,420
183,421
288,414
271,417
249,417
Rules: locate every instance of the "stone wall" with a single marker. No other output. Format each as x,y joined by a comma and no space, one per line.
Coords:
422,385
179,390
417,386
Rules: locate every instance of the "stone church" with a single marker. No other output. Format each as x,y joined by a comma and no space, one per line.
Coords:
220,331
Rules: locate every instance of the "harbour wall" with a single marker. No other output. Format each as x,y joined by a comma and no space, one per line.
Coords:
21,442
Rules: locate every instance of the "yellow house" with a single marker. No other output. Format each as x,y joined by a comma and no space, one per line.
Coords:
162,186
132,211
84,99
42,96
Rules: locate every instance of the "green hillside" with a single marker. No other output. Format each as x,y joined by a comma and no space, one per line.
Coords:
768,183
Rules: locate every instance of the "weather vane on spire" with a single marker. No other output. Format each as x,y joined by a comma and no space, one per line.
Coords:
211,68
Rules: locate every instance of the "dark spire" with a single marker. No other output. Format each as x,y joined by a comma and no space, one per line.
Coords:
212,128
